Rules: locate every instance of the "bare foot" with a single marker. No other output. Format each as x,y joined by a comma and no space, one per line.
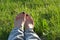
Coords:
20,20
29,22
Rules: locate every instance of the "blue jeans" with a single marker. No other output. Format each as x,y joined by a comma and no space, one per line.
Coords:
18,34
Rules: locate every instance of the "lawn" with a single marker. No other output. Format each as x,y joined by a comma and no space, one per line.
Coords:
46,15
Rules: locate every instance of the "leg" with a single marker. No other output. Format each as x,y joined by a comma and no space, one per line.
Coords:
29,33
17,32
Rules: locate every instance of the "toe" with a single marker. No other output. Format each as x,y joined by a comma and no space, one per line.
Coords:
29,18
21,15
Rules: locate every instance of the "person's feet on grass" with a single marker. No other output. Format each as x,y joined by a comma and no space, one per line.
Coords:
20,20
18,32
29,24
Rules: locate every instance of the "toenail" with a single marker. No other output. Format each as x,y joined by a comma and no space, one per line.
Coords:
23,12
26,14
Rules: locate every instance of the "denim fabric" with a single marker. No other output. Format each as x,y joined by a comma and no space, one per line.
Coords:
19,34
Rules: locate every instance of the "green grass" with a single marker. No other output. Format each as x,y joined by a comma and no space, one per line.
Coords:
46,15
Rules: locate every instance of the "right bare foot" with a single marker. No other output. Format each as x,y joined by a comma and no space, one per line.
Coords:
29,22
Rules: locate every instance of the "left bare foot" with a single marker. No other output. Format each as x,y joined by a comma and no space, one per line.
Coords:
20,20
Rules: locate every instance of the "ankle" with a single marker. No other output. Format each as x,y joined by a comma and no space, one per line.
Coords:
29,27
